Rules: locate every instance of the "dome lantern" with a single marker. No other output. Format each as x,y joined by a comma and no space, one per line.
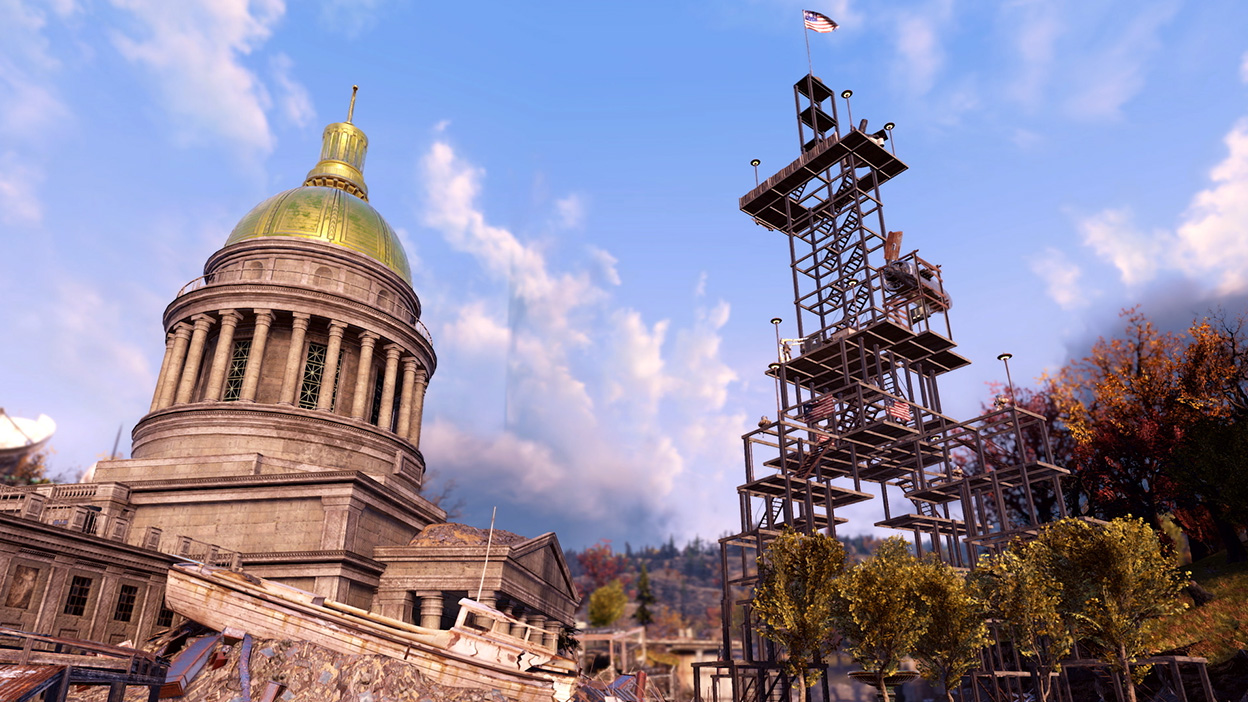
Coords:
343,147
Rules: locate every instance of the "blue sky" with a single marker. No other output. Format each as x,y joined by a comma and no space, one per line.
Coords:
564,177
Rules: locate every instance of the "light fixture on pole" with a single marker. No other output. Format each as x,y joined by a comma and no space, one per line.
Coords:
755,162
1005,358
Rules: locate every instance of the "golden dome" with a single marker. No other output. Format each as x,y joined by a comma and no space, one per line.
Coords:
332,205
326,214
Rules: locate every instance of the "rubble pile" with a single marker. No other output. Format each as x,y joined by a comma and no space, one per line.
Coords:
300,671
454,534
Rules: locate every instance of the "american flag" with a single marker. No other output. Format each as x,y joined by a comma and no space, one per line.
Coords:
898,410
817,22
816,410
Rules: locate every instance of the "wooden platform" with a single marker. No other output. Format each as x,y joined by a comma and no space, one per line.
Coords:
849,356
769,203
820,493
925,522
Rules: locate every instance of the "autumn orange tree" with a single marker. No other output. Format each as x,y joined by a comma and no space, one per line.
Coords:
600,564
1155,418
1123,404
1210,464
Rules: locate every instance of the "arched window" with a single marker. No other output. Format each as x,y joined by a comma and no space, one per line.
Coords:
323,277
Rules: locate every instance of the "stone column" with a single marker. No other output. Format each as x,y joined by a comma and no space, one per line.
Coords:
553,627
359,398
489,599
169,385
255,358
405,398
387,386
221,359
430,609
194,354
418,406
294,360
537,635
164,370
396,604
518,613
333,351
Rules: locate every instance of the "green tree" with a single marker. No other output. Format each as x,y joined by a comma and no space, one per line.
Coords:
956,633
645,598
607,603
881,612
1115,580
1026,599
795,599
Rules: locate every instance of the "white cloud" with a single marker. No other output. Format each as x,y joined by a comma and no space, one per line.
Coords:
1106,79
606,264
1114,237
351,17
1038,26
1208,245
195,50
638,370
291,95
921,56
1212,231
571,210
29,106
83,332
1025,138
1061,278
476,330
19,204
547,299
1243,68
597,396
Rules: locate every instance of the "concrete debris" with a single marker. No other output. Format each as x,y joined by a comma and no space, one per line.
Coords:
451,534
300,671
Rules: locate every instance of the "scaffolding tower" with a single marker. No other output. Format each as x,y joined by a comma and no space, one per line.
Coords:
859,409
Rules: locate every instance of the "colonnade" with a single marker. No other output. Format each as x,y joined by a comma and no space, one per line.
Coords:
431,605
183,364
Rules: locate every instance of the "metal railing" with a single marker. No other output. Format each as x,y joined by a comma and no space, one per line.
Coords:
380,298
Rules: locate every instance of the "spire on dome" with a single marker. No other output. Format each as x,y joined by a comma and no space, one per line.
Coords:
343,148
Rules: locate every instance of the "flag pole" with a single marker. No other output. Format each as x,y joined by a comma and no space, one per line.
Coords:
806,35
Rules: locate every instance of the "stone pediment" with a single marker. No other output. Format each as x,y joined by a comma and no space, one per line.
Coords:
543,557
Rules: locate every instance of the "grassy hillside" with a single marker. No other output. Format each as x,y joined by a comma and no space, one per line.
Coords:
1220,628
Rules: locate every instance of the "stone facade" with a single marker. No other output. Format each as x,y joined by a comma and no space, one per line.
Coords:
72,584
283,434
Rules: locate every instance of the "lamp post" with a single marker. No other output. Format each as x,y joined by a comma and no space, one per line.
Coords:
1005,358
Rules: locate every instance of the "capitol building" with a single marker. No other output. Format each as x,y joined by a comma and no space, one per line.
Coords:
283,439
